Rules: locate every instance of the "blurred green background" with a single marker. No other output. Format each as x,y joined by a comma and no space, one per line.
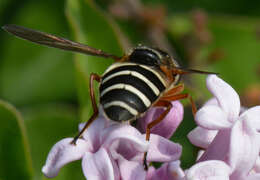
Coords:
44,92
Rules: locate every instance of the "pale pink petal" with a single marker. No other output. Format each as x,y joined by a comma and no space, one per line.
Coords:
219,147
175,170
212,117
168,171
162,149
199,154
202,137
161,173
212,101
253,115
116,130
253,177
92,134
151,171
124,140
169,124
227,97
62,153
115,167
130,170
257,165
243,109
98,166
244,148
209,170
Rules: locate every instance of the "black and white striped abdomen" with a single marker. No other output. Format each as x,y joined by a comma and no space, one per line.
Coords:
127,90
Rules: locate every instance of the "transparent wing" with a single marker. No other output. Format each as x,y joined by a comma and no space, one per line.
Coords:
54,41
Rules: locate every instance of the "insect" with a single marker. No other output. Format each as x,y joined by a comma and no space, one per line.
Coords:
144,78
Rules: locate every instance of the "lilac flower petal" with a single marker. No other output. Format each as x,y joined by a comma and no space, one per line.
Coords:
168,171
98,124
161,173
169,124
199,154
253,177
202,137
150,173
212,101
212,117
92,134
62,153
175,170
209,170
227,97
124,140
244,148
162,149
115,167
253,115
98,166
131,169
219,147
257,165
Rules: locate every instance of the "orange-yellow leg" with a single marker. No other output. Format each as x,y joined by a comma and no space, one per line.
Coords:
94,105
175,90
182,96
174,94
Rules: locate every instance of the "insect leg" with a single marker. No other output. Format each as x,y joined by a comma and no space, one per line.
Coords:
175,90
165,101
171,95
179,97
168,106
94,105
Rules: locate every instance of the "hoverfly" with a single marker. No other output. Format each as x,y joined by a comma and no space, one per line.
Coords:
144,78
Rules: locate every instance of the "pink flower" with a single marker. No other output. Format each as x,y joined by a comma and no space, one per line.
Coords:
168,171
134,171
208,170
168,126
112,150
225,133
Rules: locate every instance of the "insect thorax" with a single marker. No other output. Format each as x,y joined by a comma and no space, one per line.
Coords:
154,58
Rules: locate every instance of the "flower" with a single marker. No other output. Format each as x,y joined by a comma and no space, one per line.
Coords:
207,170
111,150
134,170
168,171
167,127
225,133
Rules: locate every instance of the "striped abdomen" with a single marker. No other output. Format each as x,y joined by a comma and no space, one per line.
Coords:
127,90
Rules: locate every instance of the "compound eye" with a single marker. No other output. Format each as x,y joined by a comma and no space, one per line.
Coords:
145,57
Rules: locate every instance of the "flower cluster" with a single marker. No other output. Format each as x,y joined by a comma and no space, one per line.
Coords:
227,133
111,150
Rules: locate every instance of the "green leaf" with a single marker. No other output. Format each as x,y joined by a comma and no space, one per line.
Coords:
238,41
31,73
3,5
90,26
15,157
